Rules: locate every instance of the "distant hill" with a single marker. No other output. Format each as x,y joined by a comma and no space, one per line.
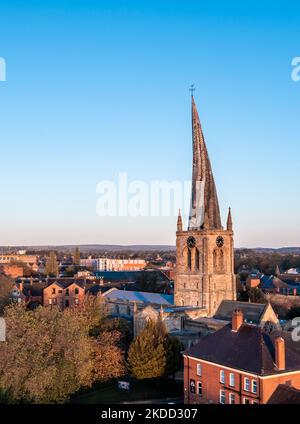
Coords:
94,247
85,248
282,250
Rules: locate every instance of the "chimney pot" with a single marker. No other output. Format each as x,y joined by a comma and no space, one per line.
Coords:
237,319
280,353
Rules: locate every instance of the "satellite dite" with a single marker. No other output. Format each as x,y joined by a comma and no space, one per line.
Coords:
2,330
2,69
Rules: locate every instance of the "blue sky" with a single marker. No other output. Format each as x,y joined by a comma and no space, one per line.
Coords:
95,88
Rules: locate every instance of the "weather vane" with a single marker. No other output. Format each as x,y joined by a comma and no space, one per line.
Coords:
192,89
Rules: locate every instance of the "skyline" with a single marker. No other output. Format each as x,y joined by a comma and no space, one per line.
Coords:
104,89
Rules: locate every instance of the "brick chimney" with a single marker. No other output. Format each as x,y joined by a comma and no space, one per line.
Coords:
237,319
280,353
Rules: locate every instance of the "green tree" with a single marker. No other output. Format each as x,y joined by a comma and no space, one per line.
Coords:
256,295
122,326
52,265
6,285
108,358
76,259
174,356
70,271
147,355
49,354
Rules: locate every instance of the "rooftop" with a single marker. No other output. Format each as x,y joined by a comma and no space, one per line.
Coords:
140,297
248,349
252,311
285,394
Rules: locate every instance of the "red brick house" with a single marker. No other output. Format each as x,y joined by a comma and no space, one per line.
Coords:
58,294
12,271
240,364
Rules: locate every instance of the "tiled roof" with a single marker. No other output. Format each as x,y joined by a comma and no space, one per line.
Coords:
252,311
285,394
141,297
248,349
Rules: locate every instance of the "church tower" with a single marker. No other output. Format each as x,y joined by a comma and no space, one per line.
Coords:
204,273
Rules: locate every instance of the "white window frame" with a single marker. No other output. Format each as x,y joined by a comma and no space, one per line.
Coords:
199,370
246,379
244,401
199,383
231,379
222,376
230,398
254,382
255,402
222,394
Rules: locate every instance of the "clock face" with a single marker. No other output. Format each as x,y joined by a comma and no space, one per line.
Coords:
219,241
191,242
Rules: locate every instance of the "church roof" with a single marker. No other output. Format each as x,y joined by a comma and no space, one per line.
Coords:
140,297
253,312
204,201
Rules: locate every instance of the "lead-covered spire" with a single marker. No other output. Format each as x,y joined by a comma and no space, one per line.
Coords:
204,199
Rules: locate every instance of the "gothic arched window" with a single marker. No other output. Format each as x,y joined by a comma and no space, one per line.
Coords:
221,260
197,260
215,260
189,259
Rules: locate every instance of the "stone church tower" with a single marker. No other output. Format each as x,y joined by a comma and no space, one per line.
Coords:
204,273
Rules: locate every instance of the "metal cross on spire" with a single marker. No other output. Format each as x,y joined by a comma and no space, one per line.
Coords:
192,89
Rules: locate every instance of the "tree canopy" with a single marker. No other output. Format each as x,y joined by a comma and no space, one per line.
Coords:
49,354
6,285
154,353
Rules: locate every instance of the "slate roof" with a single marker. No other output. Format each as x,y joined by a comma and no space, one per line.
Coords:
252,311
96,288
285,394
129,275
271,282
35,289
140,297
249,349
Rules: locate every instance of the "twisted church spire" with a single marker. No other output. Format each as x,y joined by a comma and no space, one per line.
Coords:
204,199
